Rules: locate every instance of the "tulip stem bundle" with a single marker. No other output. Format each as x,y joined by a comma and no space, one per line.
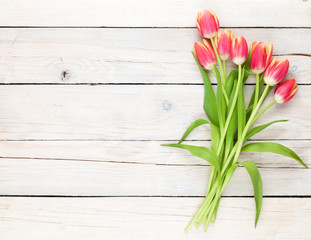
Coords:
230,119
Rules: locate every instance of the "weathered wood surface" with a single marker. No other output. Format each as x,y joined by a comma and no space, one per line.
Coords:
68,56
68,141
150,218
139,152
150,13
128,112
136,169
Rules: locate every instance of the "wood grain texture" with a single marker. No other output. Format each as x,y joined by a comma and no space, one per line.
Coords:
68,56
150,13
95,142
127,113
140,152
109,178
150,218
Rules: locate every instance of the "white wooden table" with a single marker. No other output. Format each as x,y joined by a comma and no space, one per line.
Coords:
89,90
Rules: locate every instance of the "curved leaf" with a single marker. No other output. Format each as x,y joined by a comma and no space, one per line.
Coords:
215,137
272,148
232,125
230,80
257,185
209,104
202,152
220,102
258,129
194,125
256,180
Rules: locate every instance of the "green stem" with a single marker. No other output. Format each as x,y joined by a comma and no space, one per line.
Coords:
215,211
223,135
249,124
234,101
262,111
251,121
225,94
217,57
256,91
225,72
223,88
210,210
203,206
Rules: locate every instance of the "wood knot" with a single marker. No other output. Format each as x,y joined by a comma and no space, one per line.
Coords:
293,69
166,105
65,75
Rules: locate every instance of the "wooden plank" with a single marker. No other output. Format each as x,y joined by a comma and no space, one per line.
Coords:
140,152
136,13
127,55
75,168
150,218
95,178
127,113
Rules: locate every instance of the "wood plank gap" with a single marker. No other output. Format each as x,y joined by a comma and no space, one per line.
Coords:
146,196
122,84
182,27
139,140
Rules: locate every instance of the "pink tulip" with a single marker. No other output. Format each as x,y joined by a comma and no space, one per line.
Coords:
223,43
239,50
207,23
284,92
276,71
205,54
261,56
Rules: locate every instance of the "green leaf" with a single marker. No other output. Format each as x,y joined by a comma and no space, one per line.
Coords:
256,180
272,148
258,129
215,137
232,124
202,152
220,102
233,75
257,185
209,104
247,63
194,125
241,111
251,102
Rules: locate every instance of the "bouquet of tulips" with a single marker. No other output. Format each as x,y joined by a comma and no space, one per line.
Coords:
230,119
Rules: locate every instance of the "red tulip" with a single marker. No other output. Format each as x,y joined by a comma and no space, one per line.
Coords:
205,54
276,71
284,92
261,55
239,50
223,43
207,23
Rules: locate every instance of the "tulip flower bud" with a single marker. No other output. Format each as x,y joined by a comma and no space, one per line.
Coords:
207,23
223,43
284,92
205,54
261,55
239,50
276,71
